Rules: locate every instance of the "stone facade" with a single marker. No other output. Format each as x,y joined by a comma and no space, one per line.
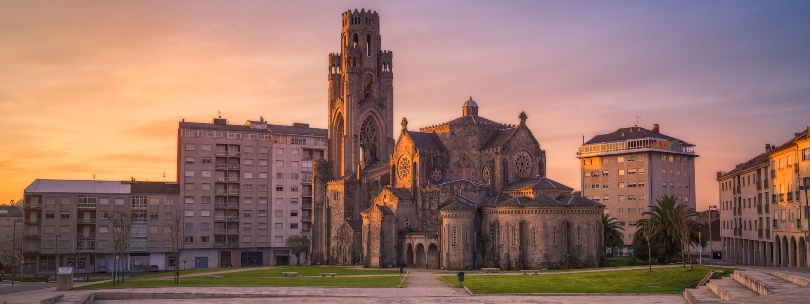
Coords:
463,194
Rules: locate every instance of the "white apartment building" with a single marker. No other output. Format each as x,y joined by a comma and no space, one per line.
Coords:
627,170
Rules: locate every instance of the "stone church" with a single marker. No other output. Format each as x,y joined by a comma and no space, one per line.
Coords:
463,194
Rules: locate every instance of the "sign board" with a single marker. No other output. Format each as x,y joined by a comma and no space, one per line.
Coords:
65,270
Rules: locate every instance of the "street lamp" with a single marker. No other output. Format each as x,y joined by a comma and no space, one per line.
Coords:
14,251
711,246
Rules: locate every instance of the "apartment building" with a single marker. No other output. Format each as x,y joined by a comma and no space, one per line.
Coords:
627,170
245,189
764,206
67,223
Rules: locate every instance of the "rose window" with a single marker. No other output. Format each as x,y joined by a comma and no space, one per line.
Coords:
523,164
486,174
403,167
436,174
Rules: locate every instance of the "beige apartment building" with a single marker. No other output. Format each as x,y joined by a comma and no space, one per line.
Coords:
763,206
245,189
67,223
627,170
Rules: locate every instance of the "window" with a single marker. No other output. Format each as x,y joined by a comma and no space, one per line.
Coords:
205,213
262,238
279,188
294,164
279,151
279,175
262,201
206,147
294,151
206,173
189,173
806,154
248,174
579,235
65,201
621,159
103,215
247,188
293,175
104,201
621,172
189,187
262,174
205,187
206,160
188,239
49,229
247,214
294,226
262,188
247,226
263,162
64,215
189,199
293,189
248,200
454,235
279,226
204,239
279,163
49,215
188,213
191,147
189,160
153,215
554,236
279,213
621,185
101,229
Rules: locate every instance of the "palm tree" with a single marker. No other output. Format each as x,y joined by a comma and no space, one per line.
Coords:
614,237
670,224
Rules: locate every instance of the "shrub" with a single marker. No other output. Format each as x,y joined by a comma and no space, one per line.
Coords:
632,261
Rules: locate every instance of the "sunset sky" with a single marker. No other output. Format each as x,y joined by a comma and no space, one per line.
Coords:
98,87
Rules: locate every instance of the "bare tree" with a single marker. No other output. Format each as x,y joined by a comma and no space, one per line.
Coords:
297,245
178,234
121,220
11,249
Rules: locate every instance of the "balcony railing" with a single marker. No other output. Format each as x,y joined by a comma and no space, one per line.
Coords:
33,206
226,206
86,249
774,199
226,231
781,197
138,234
86,206
226,166
227,154
234,218
31,251
227,192
306,206
86,221
32,221
226,180
219,218
225,244
32,236
759,209
306,219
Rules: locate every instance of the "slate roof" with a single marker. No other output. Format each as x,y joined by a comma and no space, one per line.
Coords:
751,163
571,200
427,141
791,142
155,188
10,211
458,181
457,206
401,193
523,201
538,183
498,139
623,134
385,210
495,200
376,171
77,186
356,225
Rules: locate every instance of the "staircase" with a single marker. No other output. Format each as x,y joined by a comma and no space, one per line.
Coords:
752,286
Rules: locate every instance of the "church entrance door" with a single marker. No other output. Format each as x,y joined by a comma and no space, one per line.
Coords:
433,256
409,260
420,256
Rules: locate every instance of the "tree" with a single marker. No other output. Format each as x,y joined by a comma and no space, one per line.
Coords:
614,238
670,226
121,222
11,248
297,245
177,234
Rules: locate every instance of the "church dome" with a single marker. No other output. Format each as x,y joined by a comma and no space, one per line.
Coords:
470,108
470,103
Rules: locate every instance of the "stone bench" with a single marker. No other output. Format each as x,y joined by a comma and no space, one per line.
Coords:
486,270
214,277
290,274
535,271
331,274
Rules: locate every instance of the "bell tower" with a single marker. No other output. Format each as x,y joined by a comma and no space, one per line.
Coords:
361,96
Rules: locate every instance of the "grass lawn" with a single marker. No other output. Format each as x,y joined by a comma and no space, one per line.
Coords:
661,280
618,261
309,271
375,281
170,272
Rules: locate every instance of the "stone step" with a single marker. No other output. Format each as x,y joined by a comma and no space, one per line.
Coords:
793,277
729,289
763,283
75,298
700,295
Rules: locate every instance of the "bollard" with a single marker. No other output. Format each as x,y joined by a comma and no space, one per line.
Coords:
460,278
401,271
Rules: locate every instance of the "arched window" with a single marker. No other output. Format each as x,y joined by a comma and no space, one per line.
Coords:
369,137
354,40
368,44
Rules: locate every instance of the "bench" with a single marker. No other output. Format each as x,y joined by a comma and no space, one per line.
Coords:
293,274
331,274
536,271
486,270
214,277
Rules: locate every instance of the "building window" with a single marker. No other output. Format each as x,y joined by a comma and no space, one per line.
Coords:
279,163
294,226
206,160
621,172
579,235
64,215
454,235
514,236
554,236
188,239
189,173
191,147
279,188
279,175
534,236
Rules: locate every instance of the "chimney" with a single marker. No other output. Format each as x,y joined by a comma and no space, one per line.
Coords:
655,129
767,148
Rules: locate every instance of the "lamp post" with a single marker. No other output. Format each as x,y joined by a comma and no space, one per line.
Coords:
711,246
56,262
14,250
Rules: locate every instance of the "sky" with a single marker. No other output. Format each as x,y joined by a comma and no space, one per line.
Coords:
95,89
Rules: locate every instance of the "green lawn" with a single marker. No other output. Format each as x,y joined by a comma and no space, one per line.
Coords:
309,271
169,273
346,277
661,280
618,261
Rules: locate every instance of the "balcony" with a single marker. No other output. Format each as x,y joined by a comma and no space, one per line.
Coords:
306,206
227,192
32,236
759,233
86,249
33,206
226,231
773,173
232,218
227,154
306,219
226,244
226,166
226,206
767,233
789,196
781,197
227,180
86,206
767,209
90,221
759,185
773,199
798,224
32,221
759,209
31,251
